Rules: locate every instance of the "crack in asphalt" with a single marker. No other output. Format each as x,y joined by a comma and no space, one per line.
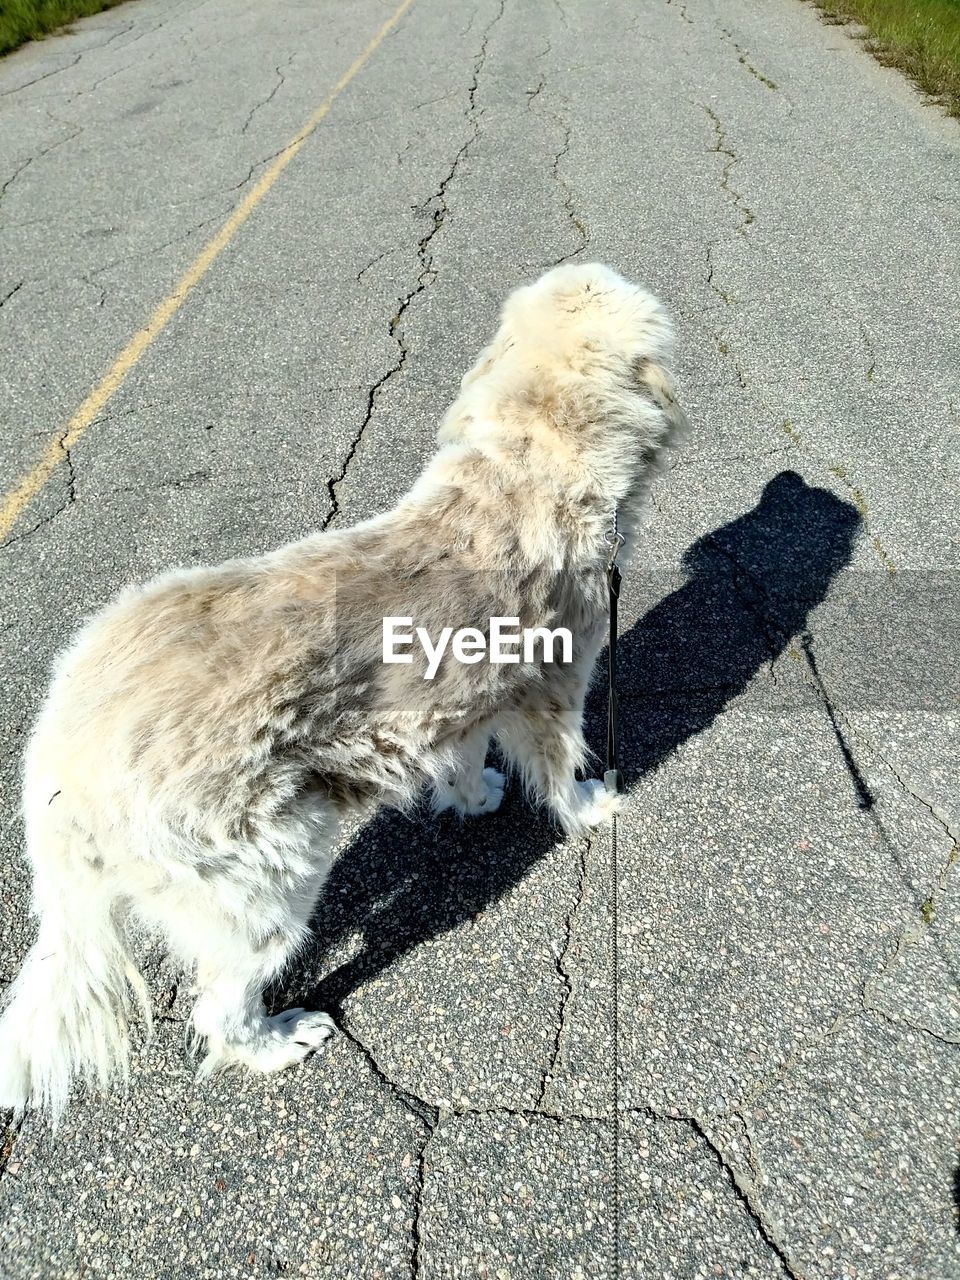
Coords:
187,481
372,263
578,225
746,1189
6,93
431,1117
743,58
150,251
469,27
860,502
432,102
416,1231
753,1150
562,12
199,198
901,1020
728,300
749,1188
127,66
16,289
844,732
71,474
149,31
731,159
71,497
373,394
437,208
931,806
681,11
14,176
809,1045
10,1136
756,455
426,1114
856,494
748,1193
188,5
91,48
44,151
575,220
281,81
565,977
745,218
871,353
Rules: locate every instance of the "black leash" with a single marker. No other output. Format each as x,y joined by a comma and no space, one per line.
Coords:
613,781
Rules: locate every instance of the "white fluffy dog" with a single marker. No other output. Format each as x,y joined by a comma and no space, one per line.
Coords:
205,733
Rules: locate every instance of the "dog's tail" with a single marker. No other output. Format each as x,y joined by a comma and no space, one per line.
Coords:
68,1012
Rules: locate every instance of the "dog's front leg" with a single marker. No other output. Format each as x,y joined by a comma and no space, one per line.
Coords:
468,787
546,746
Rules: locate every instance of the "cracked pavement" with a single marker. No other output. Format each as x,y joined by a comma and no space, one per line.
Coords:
787,917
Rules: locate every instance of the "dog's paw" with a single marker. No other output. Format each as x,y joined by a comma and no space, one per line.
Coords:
485,797
495,784
302,1027
280,1041
596,805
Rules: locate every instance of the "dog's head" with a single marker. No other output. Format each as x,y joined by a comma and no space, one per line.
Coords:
589,350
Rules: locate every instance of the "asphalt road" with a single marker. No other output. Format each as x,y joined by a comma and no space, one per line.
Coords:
787,924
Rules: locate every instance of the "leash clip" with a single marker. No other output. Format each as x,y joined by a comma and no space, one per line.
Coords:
614,540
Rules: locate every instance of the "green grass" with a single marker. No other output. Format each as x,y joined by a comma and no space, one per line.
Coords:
22,20
920,37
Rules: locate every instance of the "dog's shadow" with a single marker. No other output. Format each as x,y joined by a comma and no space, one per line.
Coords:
749,588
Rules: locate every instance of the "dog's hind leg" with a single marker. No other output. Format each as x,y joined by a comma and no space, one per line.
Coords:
240,920
468,787
230,1015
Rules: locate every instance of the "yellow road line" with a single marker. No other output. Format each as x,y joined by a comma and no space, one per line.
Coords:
17,499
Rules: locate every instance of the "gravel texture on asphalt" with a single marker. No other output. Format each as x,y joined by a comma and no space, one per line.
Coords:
787,930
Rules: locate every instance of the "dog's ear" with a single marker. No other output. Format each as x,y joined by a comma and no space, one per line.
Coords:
501,343
483,364
656,383
467,407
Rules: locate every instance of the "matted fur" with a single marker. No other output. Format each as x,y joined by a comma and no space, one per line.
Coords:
205,733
